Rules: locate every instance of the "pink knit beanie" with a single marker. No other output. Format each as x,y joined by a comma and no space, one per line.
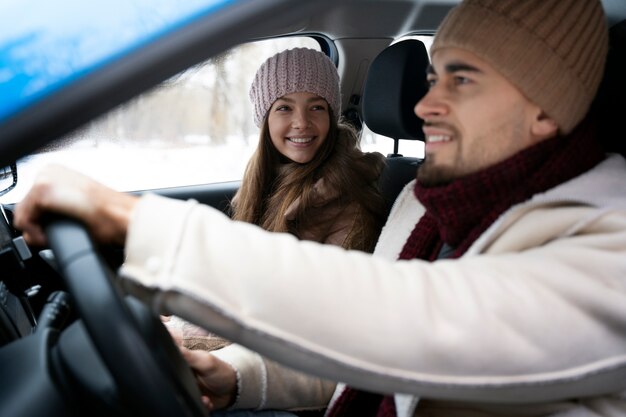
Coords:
294,71
553,51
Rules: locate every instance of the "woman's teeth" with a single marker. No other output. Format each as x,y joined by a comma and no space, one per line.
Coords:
300,140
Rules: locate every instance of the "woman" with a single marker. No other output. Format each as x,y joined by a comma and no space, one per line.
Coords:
308,176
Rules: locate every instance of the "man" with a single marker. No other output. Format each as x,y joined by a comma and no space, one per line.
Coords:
508,293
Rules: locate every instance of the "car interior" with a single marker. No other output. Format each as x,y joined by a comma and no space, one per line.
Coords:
72,348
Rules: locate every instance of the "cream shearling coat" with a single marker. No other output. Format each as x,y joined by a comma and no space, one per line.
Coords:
531,320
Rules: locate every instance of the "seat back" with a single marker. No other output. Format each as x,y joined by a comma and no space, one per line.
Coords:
395,82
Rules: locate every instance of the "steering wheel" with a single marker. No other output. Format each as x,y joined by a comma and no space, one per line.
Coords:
151,375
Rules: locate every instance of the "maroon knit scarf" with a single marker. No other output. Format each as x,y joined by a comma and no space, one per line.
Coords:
458,213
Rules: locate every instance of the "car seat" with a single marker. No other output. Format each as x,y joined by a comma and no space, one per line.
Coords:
395,82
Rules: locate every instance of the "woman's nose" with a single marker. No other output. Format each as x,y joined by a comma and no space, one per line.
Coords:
300,119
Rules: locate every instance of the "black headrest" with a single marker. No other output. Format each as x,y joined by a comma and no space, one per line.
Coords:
396,81
611,100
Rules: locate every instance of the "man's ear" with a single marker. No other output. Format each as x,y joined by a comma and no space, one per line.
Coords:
543,126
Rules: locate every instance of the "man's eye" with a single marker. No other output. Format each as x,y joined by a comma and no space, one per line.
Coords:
461,80
431,82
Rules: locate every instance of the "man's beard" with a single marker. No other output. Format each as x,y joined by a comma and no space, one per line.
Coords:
429,175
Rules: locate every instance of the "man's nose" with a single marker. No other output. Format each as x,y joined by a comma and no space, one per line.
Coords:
432,104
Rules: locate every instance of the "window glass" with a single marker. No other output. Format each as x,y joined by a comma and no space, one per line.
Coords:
371,141
194,128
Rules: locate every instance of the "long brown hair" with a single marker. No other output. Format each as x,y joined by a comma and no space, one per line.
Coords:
270,185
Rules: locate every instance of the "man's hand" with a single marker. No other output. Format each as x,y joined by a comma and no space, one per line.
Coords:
104,211
217,379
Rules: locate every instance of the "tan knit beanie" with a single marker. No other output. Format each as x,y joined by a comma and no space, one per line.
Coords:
295,70
553,51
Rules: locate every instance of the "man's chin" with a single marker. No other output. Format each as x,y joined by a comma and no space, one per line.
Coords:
429,175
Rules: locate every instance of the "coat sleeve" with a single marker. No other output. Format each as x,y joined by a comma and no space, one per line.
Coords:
265,384
538,324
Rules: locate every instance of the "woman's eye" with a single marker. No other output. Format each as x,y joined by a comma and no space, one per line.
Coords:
430,82
318,108
282,108
461,80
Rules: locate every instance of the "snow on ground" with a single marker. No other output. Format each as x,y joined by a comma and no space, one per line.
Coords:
128,168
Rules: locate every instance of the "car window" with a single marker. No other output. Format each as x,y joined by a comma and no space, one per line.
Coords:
194,128
371,141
